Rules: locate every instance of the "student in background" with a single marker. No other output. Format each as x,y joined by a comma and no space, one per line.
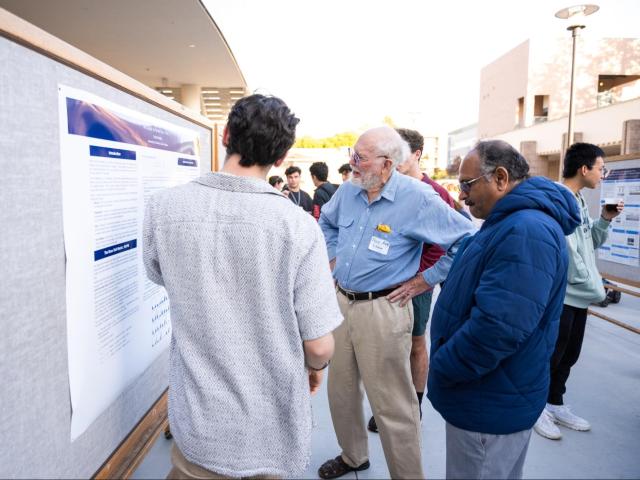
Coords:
583,168
297,196
345,171
324,190
276,182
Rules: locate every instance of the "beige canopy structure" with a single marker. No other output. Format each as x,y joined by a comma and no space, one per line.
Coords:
173,46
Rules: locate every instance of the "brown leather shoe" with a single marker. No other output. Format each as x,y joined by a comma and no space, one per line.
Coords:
336,467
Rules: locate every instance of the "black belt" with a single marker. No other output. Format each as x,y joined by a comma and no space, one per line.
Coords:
364,295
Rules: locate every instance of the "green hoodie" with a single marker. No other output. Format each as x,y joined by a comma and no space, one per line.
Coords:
584,284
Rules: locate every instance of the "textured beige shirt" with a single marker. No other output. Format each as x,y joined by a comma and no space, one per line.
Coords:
247,275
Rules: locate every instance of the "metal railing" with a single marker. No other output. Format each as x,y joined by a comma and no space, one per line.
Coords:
631,328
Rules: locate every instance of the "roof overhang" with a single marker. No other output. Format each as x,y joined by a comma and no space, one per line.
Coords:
158,42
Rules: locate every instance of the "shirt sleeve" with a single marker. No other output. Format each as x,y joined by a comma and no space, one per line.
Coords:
512,282
315,299
599,232
149,249
432,253
439,224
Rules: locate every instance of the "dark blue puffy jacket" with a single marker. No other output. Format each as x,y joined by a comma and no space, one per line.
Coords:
496,321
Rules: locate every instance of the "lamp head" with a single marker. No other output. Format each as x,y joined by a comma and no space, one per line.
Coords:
576,15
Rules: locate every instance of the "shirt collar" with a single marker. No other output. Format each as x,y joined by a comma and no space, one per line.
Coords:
235,183
390,188
388,191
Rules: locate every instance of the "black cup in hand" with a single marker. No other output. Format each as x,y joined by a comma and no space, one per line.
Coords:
611,204
611,207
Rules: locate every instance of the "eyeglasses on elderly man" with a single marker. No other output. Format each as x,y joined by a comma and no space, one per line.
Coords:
358,159
465,185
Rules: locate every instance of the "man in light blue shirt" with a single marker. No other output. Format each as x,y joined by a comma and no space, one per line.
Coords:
375,226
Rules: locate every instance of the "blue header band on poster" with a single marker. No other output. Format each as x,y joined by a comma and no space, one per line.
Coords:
114,249
117,153
95,121
623,175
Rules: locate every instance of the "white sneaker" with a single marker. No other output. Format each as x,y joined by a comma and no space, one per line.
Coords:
562,414
545,427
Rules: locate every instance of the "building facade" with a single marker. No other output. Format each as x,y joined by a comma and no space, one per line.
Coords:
460,142
524,97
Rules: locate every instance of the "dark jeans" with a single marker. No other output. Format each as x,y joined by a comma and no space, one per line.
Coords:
572,323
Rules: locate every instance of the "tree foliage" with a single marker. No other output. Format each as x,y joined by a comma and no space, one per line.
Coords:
344,139
439,174
387,120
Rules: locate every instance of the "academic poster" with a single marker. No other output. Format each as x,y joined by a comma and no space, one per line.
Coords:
622,245
112,160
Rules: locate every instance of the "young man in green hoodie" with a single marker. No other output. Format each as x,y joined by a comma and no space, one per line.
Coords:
583,168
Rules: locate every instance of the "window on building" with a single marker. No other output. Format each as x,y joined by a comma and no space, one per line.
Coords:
617,88
540,108
520,113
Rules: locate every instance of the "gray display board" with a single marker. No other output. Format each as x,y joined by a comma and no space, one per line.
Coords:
35,407
593,200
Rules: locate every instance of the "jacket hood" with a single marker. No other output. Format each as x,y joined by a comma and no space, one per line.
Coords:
540,193
328,187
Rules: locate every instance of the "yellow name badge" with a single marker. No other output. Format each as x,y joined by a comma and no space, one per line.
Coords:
383,228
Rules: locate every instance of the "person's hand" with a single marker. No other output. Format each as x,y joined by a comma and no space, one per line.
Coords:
332,264
610,215
315,380
285,193
409,289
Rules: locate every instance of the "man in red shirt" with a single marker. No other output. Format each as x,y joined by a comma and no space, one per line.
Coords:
430,255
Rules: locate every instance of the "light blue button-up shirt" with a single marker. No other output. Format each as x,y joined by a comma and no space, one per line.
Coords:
369,259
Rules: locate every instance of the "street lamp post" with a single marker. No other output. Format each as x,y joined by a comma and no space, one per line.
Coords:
575,16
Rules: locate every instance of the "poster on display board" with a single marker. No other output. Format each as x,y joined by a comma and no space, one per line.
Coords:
622,245
112,160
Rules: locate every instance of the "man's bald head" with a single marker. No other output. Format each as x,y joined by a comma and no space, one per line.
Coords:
386,142
375,155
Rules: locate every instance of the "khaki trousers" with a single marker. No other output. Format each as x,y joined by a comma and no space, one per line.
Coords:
372,348
183,469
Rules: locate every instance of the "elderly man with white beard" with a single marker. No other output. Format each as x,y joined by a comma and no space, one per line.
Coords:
374,227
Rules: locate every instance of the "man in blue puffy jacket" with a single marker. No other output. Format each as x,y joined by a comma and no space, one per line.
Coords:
495,323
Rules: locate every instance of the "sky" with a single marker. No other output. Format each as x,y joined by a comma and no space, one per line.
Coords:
343,65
